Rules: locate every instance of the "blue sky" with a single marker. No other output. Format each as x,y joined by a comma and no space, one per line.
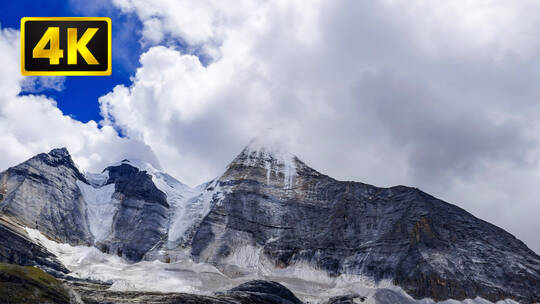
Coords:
80,94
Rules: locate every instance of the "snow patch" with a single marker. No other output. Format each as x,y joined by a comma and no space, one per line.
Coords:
90,263
97,179
100,206
192,211
184,208
271,150
248,257
137,163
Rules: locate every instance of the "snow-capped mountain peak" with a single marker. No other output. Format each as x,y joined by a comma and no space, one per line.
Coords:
269,150
137,163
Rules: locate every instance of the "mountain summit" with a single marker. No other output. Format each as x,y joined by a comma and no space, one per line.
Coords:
268,151
269,215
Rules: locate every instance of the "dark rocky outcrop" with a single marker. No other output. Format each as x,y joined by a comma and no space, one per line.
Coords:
142,217
259,291
42,193
347,299
253,292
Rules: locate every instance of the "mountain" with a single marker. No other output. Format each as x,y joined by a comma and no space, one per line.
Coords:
140,221
43,193
273,201
268,216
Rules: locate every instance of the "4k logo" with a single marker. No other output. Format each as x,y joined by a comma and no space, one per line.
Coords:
66,46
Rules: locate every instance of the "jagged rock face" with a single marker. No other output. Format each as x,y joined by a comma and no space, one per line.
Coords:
17,248
142,217
453,254
428,247
42,193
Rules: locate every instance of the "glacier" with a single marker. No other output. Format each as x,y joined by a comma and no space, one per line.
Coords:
187,205
306,282
101,208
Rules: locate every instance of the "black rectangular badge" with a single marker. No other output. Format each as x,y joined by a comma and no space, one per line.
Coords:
66,46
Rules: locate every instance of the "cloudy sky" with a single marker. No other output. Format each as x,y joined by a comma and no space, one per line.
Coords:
443,96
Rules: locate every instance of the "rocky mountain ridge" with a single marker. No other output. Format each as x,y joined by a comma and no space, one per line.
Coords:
270,211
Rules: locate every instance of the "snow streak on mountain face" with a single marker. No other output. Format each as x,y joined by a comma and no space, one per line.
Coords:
274,161
270,152
101,207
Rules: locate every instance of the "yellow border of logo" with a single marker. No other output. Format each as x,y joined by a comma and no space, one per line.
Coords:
24,72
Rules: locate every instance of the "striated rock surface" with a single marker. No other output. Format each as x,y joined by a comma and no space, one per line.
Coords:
17,248
271,200
42,193
47,192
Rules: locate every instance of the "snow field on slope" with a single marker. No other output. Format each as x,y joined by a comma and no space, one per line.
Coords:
90,263
187,204
184,209
199,278
101,208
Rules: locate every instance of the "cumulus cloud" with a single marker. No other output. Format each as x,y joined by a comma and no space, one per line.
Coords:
31,124
442,96
36,84
199,23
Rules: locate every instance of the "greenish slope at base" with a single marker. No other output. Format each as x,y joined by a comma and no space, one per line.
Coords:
29,285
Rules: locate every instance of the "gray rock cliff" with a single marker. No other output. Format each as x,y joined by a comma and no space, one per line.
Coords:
42,193
430,248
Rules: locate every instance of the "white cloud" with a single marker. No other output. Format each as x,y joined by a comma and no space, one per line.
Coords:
32,124
442,96
36,84
196,22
